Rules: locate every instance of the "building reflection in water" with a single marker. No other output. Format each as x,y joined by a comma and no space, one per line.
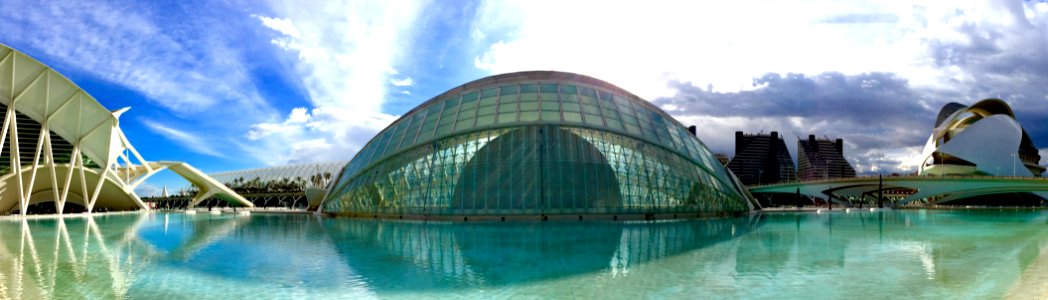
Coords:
432,255
92,257
147,254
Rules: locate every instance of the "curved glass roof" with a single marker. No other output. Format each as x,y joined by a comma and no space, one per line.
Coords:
534,97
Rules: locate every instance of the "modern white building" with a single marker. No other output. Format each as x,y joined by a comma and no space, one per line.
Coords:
983,139
62,146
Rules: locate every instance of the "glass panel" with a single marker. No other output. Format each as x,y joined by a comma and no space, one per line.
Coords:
629,119
588,92
488,101
632,129
466,114
485,121
570,106
569,98
594,119
551,115
464,124
549,88
529,106
508,107
428,127
529,88
447,119
583,171
445,128
488,93
567,89
572,117
588,100
486,110
508,90
469,97
507,117
529,116
550,106
614,124
591,109
451,102
424,135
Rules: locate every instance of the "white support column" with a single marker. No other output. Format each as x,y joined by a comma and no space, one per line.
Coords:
83,181
59,202
3,134
69,175
98,186
36,162
127,144
16,160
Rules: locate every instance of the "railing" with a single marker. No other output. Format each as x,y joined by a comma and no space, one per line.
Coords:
900,177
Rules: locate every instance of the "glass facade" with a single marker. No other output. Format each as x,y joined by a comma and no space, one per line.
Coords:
534,143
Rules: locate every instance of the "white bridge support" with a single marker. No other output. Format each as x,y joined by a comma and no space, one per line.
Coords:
949,188
93,163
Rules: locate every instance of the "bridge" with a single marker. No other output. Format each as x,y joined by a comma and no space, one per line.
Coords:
944,188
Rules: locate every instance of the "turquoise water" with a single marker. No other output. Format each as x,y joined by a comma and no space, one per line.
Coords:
902,253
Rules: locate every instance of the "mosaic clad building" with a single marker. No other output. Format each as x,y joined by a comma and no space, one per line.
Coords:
543,143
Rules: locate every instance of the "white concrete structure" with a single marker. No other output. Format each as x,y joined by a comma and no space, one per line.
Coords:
65,147
983,139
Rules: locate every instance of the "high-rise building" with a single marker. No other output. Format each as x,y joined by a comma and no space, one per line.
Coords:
819,159
761,159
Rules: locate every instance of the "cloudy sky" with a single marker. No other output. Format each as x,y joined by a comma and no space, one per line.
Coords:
234,84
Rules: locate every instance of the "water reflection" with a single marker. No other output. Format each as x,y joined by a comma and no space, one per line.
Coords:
51,260
920,253
430,255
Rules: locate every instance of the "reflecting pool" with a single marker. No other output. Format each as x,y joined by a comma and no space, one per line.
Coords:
912,253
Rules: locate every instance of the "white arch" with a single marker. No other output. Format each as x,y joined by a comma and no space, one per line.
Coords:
99,147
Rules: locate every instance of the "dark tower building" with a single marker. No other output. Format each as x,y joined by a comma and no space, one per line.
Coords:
761,159
822,159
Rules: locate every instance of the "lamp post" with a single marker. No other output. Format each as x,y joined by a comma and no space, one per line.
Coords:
759,174
941,165
1013,164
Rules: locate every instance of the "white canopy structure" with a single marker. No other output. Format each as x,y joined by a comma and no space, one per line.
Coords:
63,146
983,139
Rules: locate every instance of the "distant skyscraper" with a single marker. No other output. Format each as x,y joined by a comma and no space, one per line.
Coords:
761,159
822,159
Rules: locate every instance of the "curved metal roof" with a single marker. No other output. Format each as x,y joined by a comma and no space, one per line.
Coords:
534,97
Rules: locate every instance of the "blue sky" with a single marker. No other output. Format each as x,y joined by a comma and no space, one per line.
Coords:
228,85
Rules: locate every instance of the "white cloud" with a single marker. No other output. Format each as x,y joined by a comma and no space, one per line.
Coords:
284,26
346,56
188,71
727,43
723,43
402,82
945,50
148,190
195,142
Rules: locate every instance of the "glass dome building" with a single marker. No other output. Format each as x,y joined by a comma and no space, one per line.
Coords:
537,144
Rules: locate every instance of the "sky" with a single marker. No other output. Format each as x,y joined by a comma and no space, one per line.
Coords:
236,84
